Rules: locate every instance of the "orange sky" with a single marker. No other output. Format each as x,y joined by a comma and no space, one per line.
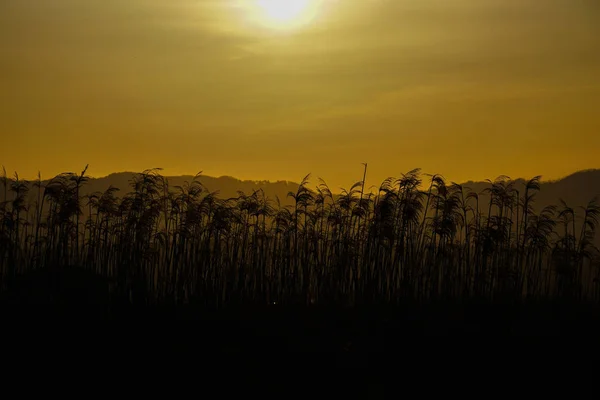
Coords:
468,88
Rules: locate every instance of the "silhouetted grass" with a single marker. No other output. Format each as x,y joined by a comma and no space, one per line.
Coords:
186,245
413,260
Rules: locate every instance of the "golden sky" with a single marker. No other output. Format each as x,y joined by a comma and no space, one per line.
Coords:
468,88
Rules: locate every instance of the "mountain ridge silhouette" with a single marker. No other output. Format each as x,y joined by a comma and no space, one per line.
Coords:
587,182
576,189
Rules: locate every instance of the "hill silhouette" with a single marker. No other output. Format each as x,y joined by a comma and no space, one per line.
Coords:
575,189
226,186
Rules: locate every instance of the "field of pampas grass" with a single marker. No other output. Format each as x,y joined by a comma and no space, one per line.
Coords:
417,242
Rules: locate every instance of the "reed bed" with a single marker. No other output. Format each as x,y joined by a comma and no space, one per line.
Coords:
415,238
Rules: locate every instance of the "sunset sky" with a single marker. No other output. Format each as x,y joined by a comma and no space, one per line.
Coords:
470,89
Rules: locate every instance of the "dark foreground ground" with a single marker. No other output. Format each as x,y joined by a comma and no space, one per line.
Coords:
307,352
303,328
66,318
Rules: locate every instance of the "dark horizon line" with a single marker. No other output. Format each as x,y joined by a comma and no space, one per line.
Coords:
200,174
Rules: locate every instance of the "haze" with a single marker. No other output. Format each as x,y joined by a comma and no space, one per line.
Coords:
468,88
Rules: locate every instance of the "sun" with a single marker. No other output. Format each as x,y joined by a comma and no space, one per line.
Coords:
285,14
283,10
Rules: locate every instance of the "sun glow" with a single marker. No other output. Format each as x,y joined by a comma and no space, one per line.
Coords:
286,13
283,10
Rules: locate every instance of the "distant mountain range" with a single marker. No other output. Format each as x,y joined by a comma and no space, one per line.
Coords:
576,189
226,186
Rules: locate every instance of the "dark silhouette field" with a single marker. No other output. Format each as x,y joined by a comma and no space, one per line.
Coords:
354,271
